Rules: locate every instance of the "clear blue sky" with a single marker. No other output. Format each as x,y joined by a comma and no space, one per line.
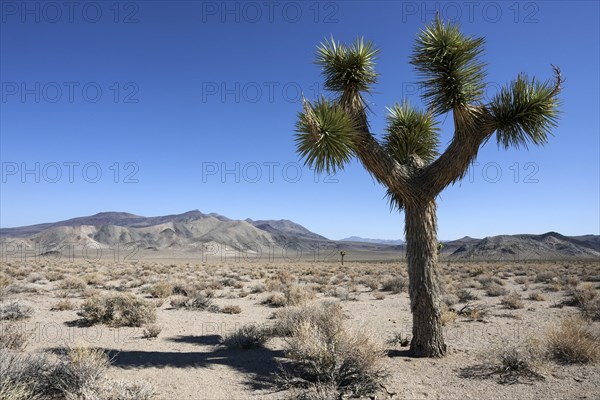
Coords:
171,93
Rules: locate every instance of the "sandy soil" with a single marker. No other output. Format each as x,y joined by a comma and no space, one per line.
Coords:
187,361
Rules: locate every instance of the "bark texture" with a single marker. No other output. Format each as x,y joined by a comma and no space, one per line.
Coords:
421,248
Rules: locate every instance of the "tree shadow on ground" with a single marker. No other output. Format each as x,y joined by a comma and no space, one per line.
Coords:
259,365
404,353
78,323
206,340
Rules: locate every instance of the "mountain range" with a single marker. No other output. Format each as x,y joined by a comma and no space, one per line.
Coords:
359,239
192,233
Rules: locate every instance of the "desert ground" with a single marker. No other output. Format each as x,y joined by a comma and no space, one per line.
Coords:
238,330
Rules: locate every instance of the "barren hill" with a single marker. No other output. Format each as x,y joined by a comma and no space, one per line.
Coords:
194,232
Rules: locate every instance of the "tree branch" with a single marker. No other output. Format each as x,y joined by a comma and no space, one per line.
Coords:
381,166
471,130
379,163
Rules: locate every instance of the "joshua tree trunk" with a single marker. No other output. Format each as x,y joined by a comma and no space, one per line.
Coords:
421,251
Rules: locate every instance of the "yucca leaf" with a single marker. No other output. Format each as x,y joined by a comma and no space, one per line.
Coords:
410,131
525,111
347,68
448,63
325,135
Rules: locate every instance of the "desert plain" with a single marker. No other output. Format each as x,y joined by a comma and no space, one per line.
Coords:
514,330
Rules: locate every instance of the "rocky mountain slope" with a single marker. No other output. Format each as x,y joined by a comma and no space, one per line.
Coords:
194,232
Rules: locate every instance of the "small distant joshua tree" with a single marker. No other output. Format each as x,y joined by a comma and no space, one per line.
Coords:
405,160
342,253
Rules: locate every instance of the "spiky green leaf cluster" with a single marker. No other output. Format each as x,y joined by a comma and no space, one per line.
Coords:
525,112
448,63
395,202
410,131
347,68
325,135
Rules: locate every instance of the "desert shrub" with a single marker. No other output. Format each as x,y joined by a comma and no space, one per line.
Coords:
342,293
587,299
161,289
279,281
15,310
238,285
398,339
215,285
395,285
520,280
554,286
35,277
469,284
574,341
591,309
158,303
325,353
465,295
63,305
86,365
12,338
297,295
581,295
19,288
317,313
275,300
16,391
450,299
495,290
573,281
545,276
93,278
370,282
474,312
231,309
512,301
517,364
75,374
182,288
54,276
477,270
229,282
19,272
117,310
447,316
91,292
488,280
199,302
151,331
509,365
5,280
178,301
51,377
536,296
246,337
72,283
258,288
378,295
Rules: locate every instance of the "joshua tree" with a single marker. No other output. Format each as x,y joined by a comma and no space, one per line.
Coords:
342,253
440,247
405,160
